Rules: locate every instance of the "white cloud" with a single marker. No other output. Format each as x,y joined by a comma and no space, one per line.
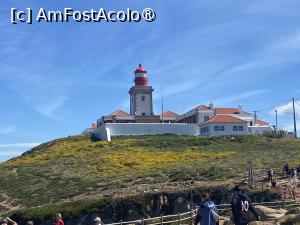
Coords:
287,109
7,129
244,95
19,145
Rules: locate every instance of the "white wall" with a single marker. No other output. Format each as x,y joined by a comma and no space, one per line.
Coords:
228,129
202,114
259,129
117,129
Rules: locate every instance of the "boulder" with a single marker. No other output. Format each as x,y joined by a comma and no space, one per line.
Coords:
289,219
269,213
294,211
262,223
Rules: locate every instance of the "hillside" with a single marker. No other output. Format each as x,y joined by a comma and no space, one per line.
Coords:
77,168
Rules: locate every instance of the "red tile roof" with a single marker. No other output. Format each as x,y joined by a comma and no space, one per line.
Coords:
202,107
261,123
227,111
224,119
169,114
119,112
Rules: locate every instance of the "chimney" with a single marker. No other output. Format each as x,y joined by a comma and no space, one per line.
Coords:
240,108
211,106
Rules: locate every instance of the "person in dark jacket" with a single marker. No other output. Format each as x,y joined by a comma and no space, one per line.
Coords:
241,207
286,170
205,212
298,170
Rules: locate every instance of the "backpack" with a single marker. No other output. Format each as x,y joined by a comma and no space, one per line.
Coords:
215,215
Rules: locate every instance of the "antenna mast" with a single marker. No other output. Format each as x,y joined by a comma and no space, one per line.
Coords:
162,104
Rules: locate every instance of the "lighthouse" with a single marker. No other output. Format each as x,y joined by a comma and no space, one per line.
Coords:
141,97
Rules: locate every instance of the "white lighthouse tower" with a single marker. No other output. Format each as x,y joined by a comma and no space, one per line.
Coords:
141,97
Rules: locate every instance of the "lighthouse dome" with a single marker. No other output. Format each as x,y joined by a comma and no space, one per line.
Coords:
140,69
141,78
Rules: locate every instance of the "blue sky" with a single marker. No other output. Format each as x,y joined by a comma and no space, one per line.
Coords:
56,79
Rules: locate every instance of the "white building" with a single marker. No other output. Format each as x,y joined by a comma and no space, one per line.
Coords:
221,125
202,120
203,113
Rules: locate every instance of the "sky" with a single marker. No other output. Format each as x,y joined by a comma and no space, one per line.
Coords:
58,78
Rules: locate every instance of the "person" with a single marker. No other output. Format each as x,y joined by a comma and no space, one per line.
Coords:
206,212
298,170
59,220
270,175
7,221
241,206
274,183
294,176
286,170
97,220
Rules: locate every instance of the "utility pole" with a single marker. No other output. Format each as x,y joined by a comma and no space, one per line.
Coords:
162,105
295,123
276,114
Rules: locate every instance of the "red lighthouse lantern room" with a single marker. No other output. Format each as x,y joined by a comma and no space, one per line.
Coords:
140,78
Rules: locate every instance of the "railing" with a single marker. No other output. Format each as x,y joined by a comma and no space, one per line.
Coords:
188,217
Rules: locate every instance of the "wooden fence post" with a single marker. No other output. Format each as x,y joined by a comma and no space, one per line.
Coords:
179,215
121,222
143,222
161,220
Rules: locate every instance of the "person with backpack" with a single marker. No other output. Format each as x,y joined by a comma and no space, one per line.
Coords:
241,207
207,213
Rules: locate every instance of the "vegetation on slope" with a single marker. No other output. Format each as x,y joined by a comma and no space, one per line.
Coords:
77,165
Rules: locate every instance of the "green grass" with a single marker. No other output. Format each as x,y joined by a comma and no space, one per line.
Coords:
72,166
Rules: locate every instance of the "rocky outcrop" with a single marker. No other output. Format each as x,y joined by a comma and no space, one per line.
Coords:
268,214
262,223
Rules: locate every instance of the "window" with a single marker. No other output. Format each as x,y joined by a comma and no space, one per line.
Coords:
216,128
222,128
143,114
131,99
204,129
206,118
241,128
235,128
194,119
143,98
251,123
